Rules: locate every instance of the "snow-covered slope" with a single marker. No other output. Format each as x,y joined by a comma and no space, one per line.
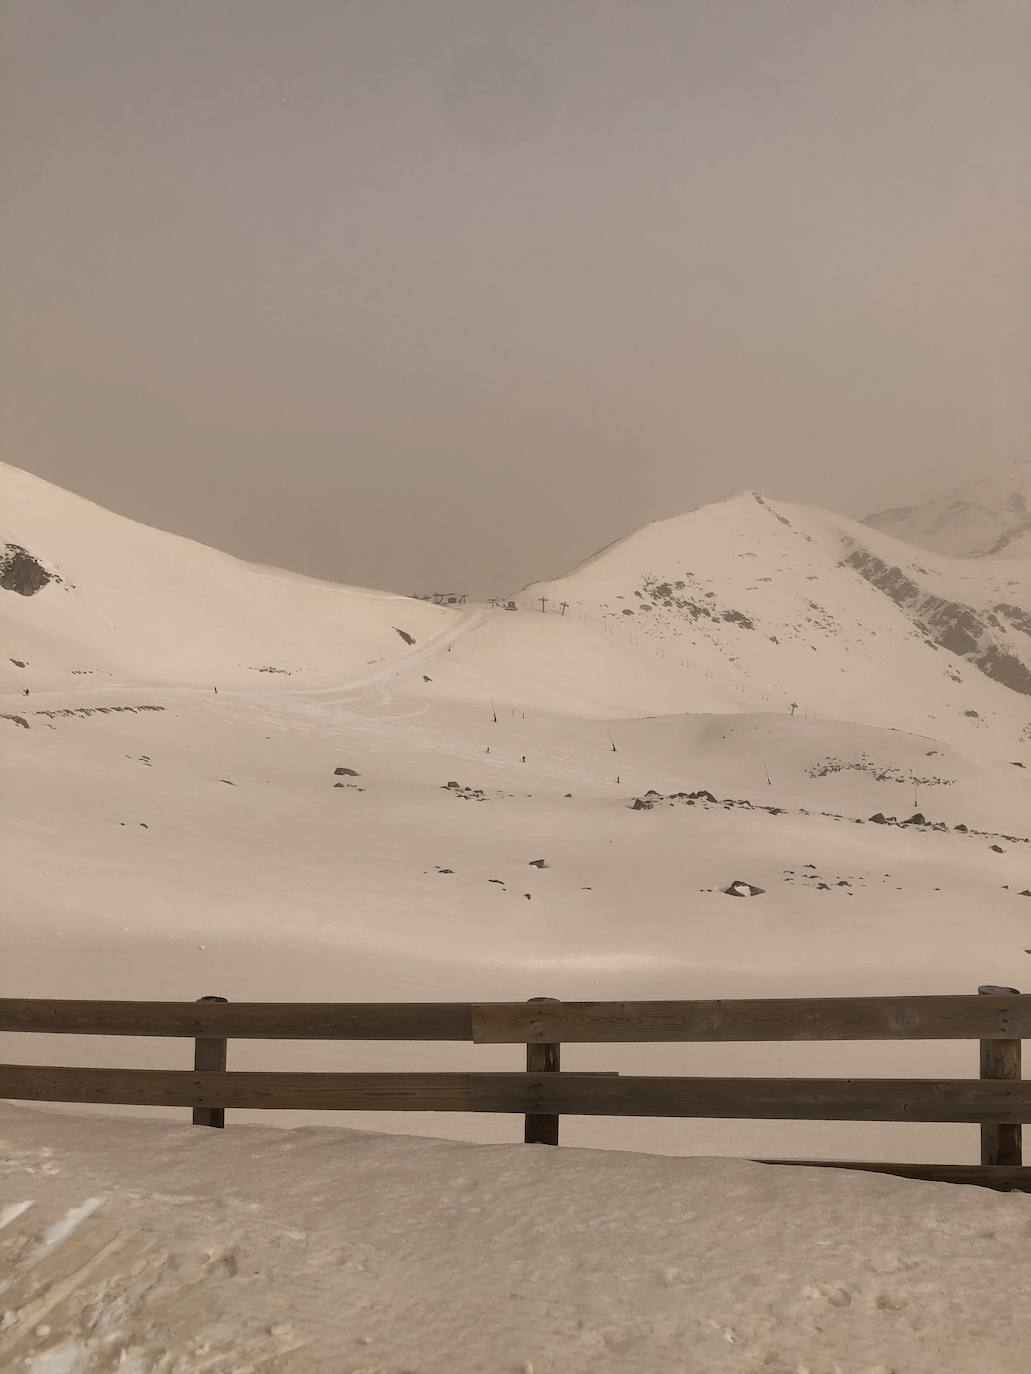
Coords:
88,595
740,606
144,1247
791,604
988,517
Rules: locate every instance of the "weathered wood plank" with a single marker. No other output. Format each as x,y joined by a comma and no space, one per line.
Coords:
425,1092
1000,1176
827,1018
209,1055
798,1099
808,1099
242,1020
961,1016
183,1088
1000,1059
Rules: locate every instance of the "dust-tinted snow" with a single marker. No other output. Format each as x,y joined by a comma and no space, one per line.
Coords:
353,816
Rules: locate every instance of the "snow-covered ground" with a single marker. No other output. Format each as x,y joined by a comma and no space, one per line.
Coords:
151,1248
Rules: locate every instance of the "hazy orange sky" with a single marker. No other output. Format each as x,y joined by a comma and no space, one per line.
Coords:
448,293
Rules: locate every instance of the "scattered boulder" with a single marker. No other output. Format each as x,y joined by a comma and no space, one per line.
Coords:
1026,892
18,720
997,849
963,830
466,793
539,863
408,639
878,818
918,818
19,664
346,773
742,889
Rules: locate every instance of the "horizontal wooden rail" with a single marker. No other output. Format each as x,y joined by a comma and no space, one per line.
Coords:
574,1094
369,1092
242,1020
1001,1176
955,1017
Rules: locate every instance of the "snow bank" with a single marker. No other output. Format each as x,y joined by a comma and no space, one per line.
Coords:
160,1249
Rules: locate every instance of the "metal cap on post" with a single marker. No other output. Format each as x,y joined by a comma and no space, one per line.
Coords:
541,1128
209,1056
1001,1142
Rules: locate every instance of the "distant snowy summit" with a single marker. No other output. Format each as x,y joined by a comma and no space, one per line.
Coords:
988,517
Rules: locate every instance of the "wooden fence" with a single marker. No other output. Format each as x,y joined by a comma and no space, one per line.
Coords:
999,1100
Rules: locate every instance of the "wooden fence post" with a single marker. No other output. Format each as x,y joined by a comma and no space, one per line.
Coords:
541,1128
1000,1142
209,1054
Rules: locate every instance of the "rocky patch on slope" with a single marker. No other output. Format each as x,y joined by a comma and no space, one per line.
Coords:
95,711
880,773
21,572
968,633
704,798
465,793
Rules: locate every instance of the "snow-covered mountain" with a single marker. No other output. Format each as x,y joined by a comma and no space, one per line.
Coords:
89,594
987,517
745,605
768,604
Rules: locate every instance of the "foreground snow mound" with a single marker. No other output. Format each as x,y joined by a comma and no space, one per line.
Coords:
151,1248
988,517
88,597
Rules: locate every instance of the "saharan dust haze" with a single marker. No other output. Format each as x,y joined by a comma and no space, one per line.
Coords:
515,697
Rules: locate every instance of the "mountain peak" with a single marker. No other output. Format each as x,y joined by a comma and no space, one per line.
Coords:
984,517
